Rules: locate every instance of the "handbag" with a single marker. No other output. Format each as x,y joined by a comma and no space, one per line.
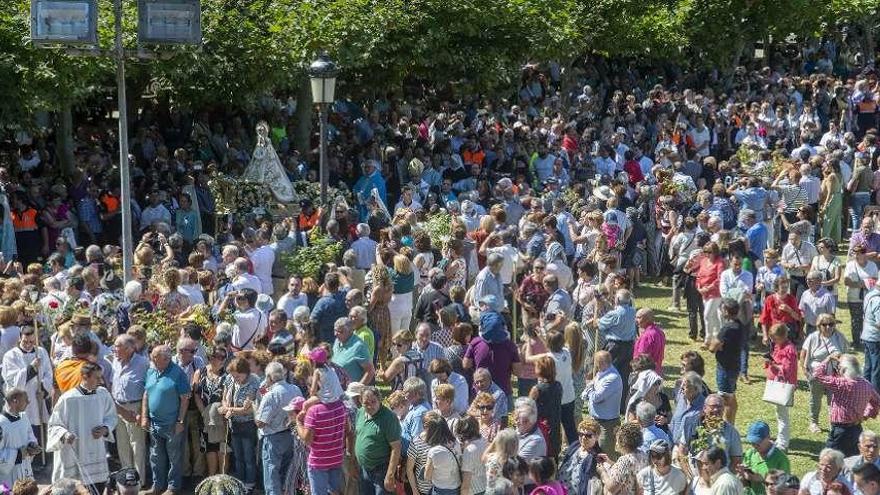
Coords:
779,393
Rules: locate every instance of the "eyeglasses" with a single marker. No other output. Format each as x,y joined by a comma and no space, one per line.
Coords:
826,325
536,267
486,407
586,434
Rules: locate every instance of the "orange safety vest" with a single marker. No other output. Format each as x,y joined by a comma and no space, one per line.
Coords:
25,221
306,222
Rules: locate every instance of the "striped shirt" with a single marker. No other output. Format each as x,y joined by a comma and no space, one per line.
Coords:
328,444
852,401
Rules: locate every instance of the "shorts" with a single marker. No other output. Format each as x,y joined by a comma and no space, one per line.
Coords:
725,379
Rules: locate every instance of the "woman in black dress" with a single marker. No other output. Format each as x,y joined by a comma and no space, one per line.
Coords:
547,394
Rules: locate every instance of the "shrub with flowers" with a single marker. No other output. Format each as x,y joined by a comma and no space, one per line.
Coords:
234,195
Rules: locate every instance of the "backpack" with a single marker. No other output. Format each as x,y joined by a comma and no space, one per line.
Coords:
414,365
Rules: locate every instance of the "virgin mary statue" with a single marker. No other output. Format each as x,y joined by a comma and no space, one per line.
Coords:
265,167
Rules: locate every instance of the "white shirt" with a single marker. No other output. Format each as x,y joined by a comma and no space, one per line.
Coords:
262,258
247,281
365,249
652,483
701,138
811,186
854,272
511,256
153,214
288,303
193,292
729,280
249,326
799,257
563,363
460,402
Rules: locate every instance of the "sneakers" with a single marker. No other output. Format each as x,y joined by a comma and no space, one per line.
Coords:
814,428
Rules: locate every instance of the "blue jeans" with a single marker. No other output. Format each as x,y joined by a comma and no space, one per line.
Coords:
872,363
277,456
373,480
324,481
244,449
725,380
166,457
857,203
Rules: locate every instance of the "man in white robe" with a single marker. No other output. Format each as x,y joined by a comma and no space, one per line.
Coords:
28,367
17,441
81,424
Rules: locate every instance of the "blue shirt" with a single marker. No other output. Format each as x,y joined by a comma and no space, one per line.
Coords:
603,395
412,423
129,378
871,327
753,198
270,410
651,434
325,313
757,236
163,394
619,324
684,411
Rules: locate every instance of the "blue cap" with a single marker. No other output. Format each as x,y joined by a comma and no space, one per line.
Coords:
758,431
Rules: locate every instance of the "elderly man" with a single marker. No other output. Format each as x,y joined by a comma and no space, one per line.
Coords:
758,460
416,391
328,308
559,305
79,429
866,236
603,395
163,414
713,408
531,442
870,335
430,350
618,327
829,469
867,455
815,301
646,413
364,248
483,383
351,353
442,371
243,279
488,281
271,419
651,339
377,444
689,399
189,362
853,399
755,232
357,317
129,376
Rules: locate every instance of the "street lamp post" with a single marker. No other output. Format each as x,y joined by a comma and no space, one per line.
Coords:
322,73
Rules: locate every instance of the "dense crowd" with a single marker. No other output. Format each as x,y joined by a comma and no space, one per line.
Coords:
507,354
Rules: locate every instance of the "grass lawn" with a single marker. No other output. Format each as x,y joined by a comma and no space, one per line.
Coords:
804,446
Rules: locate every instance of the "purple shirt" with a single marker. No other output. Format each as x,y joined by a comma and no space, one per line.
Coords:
652,342
871,241
497,357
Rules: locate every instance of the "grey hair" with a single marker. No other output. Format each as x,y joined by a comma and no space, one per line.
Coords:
363,230
623,296
482,372
342,322
275,371
528,406
94,252
415,385
867,435
500,486
692,379
814,275
646,412
850,367
67,486
834,455
494,258
126,340
359,311
301,314
230,249
164,350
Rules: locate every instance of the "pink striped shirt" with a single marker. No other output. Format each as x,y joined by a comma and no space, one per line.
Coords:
328,443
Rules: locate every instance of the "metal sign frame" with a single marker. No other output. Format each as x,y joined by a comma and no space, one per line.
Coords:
182,26
78,36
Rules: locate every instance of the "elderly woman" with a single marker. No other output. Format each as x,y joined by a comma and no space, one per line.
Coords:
828,340
578,467
208,396
483,408
660,477
416,458
781,366
828,470
620,478
239,399
859,276
531,441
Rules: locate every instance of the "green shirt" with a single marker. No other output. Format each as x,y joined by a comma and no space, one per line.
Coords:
374,436
776,459
366,335
352,356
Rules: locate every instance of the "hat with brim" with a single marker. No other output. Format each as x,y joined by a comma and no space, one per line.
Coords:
81,320
604,193
355,389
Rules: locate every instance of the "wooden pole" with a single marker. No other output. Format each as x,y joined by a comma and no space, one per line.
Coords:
41,398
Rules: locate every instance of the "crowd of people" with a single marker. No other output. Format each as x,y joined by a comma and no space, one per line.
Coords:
509,355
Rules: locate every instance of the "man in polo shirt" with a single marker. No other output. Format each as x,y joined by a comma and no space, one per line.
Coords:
350,353
759,459
377,444
271,419
129,375
324,428
163,411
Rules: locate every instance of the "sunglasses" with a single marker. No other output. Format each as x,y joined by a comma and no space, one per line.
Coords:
486,407
586,434
826,325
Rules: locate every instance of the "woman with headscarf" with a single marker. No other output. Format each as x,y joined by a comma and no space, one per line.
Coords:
556,264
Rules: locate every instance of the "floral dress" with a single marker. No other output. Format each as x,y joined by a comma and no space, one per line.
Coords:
624,472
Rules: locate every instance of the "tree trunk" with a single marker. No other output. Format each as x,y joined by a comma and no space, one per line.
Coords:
64,138
304,113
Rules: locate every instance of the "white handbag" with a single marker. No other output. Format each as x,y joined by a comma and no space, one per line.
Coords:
779,393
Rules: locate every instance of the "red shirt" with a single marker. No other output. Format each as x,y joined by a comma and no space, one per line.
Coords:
851,400
772,314
634,171
709,275
784,365
328,443
652,342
